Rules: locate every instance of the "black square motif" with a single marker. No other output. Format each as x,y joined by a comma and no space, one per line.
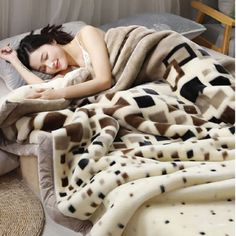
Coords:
150,91
192,89
144,101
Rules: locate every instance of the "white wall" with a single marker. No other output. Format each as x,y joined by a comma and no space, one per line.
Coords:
32,14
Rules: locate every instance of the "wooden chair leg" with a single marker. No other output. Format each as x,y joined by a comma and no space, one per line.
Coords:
200,17
227,34
228,22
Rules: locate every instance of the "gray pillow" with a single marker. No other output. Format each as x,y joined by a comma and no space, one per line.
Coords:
227,7
10,76
8,73
161,21
3,88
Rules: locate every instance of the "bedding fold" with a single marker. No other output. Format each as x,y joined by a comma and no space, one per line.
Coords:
163,133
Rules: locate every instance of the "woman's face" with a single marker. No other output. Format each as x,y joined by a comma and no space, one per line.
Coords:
49,58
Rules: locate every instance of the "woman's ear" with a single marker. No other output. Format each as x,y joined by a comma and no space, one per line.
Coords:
54,42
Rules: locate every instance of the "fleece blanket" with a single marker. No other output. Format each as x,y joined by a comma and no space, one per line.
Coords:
158,147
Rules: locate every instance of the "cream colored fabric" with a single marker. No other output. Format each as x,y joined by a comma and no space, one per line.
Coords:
156,178
18,98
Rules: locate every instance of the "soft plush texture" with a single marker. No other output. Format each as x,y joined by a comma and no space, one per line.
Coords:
3,88
14,105
173,143
132,63
8,73
8,162
17,100
161,21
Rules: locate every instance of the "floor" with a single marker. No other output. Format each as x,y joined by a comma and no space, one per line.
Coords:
51,228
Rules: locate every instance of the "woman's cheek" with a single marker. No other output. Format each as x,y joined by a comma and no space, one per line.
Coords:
64,64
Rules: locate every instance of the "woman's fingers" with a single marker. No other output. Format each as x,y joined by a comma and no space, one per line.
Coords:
37,93
7,53
40,90
34,95
6,50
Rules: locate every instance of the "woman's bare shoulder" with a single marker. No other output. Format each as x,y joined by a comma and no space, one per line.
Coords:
87,30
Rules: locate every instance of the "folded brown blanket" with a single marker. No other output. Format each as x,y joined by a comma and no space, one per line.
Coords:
139,55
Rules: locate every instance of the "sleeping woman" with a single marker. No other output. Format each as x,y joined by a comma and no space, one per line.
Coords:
54,51
122,58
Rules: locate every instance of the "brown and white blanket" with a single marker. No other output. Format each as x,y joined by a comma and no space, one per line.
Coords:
151,156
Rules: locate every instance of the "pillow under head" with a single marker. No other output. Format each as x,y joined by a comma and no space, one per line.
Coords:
9,75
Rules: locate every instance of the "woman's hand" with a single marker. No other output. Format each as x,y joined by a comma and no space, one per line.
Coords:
47,94
8,54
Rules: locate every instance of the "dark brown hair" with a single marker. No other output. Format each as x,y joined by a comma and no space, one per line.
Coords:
47,35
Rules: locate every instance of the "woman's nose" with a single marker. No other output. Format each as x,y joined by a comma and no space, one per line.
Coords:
49,64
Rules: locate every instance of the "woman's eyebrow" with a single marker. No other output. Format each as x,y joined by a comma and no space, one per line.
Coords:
41,58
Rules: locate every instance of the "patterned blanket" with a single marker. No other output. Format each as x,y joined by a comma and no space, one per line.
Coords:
146,142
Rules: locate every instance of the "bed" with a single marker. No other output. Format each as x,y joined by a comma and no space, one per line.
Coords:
150,156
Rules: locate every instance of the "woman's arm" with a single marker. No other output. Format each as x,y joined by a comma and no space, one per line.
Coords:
92,39
10,55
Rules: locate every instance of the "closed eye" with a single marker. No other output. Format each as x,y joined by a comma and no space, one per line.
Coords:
45,56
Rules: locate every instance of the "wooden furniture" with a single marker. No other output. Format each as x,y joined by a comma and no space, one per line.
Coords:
228,22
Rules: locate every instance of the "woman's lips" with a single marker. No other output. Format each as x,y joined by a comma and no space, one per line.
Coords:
57,64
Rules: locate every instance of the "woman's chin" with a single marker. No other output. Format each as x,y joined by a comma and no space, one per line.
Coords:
63,67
